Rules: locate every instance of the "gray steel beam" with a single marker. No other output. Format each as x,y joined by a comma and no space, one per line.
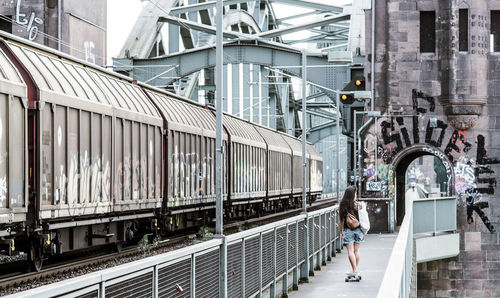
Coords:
305,26
248,52
200,27
306,14
322,114
313,96
319,105
322,126
311,5
203,6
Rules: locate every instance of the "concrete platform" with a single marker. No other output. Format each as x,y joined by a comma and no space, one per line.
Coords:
329,282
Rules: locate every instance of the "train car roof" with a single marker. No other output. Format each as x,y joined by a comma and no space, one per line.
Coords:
313,153
86,86
11,81
243,132
274,140
296,145
184,116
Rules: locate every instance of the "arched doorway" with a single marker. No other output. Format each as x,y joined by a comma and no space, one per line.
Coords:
400,166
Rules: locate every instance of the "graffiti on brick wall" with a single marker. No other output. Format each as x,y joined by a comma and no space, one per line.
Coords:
472,170
31,23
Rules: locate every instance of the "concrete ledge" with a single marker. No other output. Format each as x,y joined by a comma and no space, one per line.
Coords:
437,247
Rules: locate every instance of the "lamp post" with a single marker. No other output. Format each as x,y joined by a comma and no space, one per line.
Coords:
219,152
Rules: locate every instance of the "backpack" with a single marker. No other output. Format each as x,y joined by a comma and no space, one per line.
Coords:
351,221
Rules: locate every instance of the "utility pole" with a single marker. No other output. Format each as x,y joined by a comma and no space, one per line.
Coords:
219,64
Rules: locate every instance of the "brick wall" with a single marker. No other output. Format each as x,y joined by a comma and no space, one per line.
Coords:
474,273
449,102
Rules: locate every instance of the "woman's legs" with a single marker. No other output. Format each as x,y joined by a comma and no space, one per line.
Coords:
356,253
351,255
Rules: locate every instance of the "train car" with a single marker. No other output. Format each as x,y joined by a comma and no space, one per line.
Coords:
279,164
247,167
189,159
296,177
315,163
89,158
13,152
93,154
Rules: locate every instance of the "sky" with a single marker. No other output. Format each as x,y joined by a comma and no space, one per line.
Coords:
123,13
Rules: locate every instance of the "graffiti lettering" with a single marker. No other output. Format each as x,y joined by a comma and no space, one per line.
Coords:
30,24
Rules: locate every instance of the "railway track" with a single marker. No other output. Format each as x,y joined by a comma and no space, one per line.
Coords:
56,272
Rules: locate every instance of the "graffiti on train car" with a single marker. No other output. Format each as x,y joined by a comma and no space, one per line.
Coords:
85,180
189,174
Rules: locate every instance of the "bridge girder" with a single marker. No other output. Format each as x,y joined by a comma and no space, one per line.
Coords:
235,52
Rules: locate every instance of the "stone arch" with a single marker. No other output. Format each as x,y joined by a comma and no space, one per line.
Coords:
399,166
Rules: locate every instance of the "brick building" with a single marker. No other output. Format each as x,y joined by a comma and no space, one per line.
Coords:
437,68
80,29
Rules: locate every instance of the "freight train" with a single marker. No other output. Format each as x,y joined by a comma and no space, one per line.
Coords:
89,157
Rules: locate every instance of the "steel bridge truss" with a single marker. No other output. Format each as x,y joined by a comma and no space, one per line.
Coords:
172,46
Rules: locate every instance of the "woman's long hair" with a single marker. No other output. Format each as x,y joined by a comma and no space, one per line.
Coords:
347,203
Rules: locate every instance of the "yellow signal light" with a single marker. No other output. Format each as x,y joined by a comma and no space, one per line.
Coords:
358,82
344,97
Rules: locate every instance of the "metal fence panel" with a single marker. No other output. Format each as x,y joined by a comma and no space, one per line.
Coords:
302,240
310,227
268,257
207,274
234,270
174,280
140,286
292,252
322,229
251,266
93,294
317,229
280,250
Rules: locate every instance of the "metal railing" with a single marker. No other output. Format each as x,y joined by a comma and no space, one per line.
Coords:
423,216
254,261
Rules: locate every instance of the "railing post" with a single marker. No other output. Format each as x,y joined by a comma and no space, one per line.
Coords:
285,278
296,268
272,292
325,230
435,215
102,289
155,281
304,270
260,265
223,267
193,275
318,256
243,267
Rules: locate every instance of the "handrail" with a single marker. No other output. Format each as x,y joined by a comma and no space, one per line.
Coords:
436,199
395,272
310,245
423,190
401,263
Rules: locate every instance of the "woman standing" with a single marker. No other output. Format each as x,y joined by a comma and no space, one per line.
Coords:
352,237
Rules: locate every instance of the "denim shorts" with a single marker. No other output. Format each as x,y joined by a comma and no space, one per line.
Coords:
353,236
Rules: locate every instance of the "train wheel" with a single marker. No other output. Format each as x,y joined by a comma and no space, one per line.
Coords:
35,256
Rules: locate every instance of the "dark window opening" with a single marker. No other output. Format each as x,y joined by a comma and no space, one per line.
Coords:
427,31
463,30
495,30
6,23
